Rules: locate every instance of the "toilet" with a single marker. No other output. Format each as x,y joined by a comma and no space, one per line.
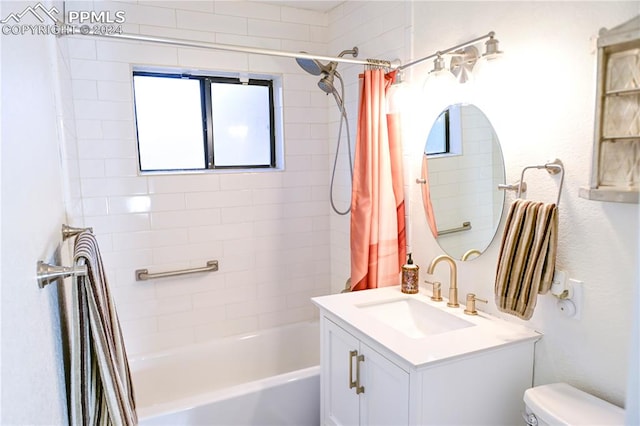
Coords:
562,404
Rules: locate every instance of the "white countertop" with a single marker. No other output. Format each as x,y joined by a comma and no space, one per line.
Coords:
484,333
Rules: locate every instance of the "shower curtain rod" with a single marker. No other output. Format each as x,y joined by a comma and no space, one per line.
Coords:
234,48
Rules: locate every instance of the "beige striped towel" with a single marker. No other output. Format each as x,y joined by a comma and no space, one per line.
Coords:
101,387
527,257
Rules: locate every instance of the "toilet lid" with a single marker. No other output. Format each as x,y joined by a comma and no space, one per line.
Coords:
562,404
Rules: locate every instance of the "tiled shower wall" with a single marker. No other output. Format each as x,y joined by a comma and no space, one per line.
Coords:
269,230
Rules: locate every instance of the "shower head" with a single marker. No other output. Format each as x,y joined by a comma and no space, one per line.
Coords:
315,67
311,66
326,83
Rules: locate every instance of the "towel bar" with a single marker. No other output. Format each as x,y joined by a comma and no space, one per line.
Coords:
70,231
143,274
47,273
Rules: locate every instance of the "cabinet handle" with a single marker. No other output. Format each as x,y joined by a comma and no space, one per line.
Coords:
352,383
359,389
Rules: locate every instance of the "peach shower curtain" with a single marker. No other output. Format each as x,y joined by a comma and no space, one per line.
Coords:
378,239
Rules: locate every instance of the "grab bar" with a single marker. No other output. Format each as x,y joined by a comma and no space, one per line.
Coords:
46,273
143,274
466,226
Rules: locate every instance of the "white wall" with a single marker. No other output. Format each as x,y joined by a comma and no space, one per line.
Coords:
542,107
34,109
268,229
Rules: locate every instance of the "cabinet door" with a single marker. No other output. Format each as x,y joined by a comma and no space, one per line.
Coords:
340,403
384,396
385,400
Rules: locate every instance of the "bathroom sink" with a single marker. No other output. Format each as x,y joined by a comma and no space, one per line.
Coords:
413,318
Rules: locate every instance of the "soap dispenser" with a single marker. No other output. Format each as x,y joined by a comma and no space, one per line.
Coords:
410,277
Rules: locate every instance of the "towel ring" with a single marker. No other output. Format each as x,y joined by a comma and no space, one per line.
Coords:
553,168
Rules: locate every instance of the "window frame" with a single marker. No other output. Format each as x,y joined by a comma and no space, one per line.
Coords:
207,118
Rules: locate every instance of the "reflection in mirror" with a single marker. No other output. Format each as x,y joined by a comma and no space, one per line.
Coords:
465,166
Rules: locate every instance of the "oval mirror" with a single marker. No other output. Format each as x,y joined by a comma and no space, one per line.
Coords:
462,166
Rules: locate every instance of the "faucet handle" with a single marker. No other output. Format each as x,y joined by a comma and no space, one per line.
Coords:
470,308
436,296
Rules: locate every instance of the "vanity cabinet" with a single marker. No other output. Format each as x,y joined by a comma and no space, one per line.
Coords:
359,385
365,380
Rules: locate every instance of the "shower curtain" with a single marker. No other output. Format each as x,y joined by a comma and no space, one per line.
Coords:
378,237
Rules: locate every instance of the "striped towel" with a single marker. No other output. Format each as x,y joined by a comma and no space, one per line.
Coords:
101,388
527,257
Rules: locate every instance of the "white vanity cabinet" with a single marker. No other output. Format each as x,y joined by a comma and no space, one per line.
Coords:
379,372
359,385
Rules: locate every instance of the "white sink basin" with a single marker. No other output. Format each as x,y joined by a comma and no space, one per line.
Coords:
413,318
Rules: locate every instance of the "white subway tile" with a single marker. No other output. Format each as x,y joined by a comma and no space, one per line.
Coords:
107,110
245,9
97,206
84,90
91,169
302,16
179,33
184,183
81,48
279,195
120,167
94,187
89,129
207,200
185,218
237,294
282,226
199,5
154,308
186,253
119,129
115,91
243,40
239,181
139,327
132,258
145,14
210,60
210,22
83,69
189,319
285,30
106,148
140,53
149,239
198,234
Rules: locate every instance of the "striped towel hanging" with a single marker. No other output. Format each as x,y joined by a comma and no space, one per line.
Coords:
101,387
527,257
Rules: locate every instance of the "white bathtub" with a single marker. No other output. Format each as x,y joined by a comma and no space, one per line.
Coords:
266,378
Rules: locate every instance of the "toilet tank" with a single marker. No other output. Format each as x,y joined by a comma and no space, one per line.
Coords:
562,404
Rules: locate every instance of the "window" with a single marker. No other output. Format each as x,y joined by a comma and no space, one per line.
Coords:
191,122
439,137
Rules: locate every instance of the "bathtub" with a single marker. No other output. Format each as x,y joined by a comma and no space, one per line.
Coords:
267,378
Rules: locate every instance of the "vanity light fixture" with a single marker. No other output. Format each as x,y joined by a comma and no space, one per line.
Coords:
464,57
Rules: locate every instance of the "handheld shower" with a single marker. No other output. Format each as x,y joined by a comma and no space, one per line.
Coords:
326,84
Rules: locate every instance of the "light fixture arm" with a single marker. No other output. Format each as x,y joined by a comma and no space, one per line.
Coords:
489,35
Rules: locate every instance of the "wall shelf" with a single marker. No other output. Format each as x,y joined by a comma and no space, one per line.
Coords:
615,171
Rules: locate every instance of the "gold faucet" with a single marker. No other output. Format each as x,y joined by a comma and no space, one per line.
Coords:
453,280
